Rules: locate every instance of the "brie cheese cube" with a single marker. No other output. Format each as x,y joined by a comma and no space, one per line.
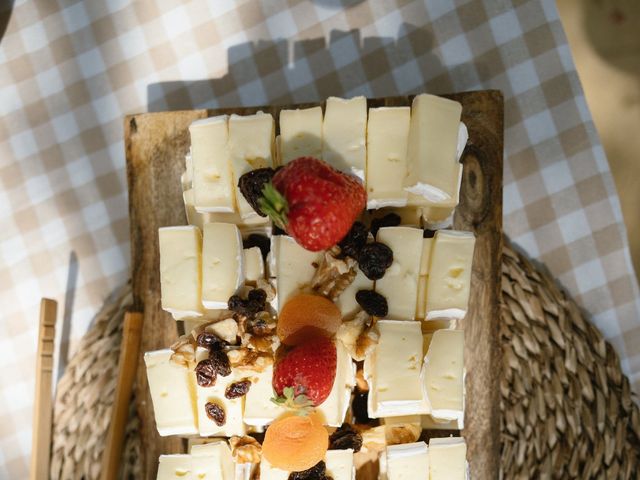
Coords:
212,461
387,139
180,280
334,408
392,370
340,465
175,467
222,264
346,301
253,264
400,282
344,132
425,259
194,217
448,459
211,163
269,472
295,268
409,461
449,279
300,134
432,161
251,140
443,375
259,410
430,423
233,408
251,223
172,388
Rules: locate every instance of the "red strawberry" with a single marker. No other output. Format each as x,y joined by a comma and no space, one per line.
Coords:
306,373
315,203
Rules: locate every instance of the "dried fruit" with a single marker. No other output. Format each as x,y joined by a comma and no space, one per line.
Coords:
359,407
353,242
345,438
374,260
305,316
295,443
260,241
206,373
249,307
216,413
251,185
210,341
428,233
237,389
317,472
389,220
220,362
372,302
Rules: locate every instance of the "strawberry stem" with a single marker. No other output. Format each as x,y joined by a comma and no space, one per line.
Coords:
301,404
273,203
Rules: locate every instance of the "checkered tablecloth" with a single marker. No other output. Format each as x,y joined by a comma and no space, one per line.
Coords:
70,71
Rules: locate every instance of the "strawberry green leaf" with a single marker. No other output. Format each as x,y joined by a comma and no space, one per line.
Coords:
273,203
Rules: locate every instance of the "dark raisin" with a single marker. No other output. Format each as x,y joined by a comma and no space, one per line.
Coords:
236,304
257,295
428,233
206,373
260,241
210,341
374,260
359,407
372,302
353,242
275,230
220,362
251,185
255,302
345,438
216,413
389,220
317,472
237,389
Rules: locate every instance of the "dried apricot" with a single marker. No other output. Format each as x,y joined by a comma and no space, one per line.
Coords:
307,315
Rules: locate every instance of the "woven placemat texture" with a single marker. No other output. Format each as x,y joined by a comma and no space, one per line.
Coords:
567,409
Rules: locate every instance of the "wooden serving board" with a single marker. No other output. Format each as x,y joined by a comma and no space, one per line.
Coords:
156,144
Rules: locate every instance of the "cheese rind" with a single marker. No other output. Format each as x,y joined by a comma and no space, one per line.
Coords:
447,459
449,281
211,163
387,139
344,132
425,260
253,264
172,388
409,461
300,134
294,267
334,408
400,282
180,278
222,264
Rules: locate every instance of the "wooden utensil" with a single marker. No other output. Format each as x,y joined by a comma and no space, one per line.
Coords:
42,411
127,366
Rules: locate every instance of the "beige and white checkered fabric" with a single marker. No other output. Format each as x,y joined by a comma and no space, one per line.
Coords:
69,72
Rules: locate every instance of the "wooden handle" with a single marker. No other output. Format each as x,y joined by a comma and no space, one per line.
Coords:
43,407
127,365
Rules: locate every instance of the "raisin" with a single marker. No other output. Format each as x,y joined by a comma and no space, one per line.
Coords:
206,373
372,302
236,304
257,295
251,185
353,242
389,220
210,341
359,407
260,241
220,362
317,472
428,233
216,413
255,302
237,389
345,438
374,260
276,230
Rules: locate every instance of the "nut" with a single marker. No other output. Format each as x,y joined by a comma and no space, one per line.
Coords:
246,359
184,352
245,449
333,274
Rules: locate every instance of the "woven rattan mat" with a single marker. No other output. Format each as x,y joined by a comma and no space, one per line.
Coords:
567,410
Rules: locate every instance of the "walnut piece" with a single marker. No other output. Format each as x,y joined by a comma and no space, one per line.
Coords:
226,329
333,274
359,335
184,352
245,449
248,359
402,433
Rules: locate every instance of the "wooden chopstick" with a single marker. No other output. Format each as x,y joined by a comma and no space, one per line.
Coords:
127,365
43,407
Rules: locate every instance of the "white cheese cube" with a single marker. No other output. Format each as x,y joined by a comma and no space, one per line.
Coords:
346,302
212,461
387,139
448,459
175,467
180,258
339,464
295,268
194,217
443,375
430,423
172,388
259,410
269,472
449,279
222,264
344,135
300,134
334,408
400,282
253,265
409,461
425,260
251,140
226,329
210,157
392,371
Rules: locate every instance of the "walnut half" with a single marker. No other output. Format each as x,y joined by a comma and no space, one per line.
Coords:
245,449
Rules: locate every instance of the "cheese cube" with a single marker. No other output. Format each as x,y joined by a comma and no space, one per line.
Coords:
400,282
251,140
334,408
340,465
409,216
259,410
172,388
346,302
253,265
295,268
409,461
449,279
180,280
448,459
269,472
222,264
212,461
175,467
210,157
387,139
430,423
344,135
392,370
443,375
300,134
425,259
194,217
